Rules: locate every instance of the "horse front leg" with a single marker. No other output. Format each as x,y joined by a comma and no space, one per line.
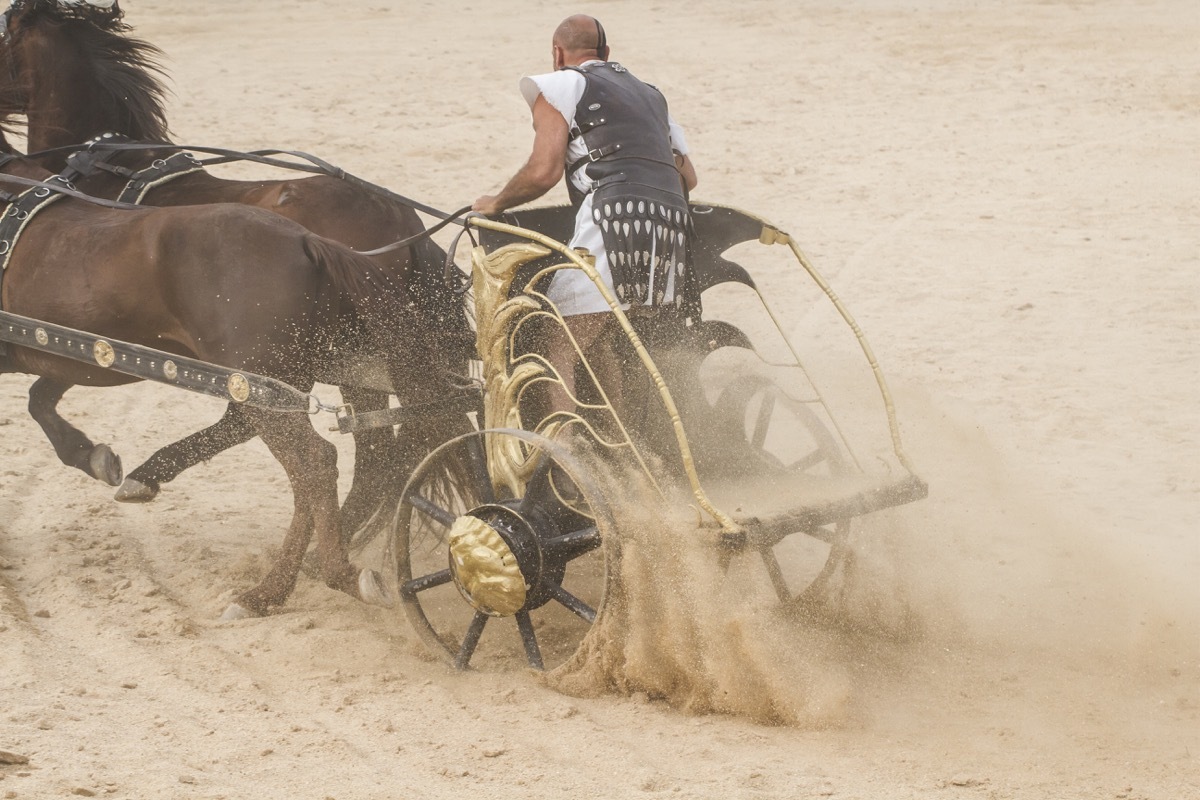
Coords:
168,462
73,447
310,462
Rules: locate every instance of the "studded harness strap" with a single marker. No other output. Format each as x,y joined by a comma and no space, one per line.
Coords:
21,209
87,161
23,206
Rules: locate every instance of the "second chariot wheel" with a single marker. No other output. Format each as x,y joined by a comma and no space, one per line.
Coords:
499,550
784,442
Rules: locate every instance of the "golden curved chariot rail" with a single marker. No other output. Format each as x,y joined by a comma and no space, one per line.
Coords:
499,315
773,235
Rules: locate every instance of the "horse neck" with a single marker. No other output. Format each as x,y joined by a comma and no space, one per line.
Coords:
199,188
22,168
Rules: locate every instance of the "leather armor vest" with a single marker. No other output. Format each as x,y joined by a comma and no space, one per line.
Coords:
638,200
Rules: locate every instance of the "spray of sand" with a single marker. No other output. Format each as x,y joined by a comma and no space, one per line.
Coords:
706,637
978,603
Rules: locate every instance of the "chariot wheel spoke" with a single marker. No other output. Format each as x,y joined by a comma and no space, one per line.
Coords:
552,526
824,535
572,545
477,459
471,640
538,484
430,581
431,509
763,421
789,438
776,574
529,639
807,462
479,470
573,603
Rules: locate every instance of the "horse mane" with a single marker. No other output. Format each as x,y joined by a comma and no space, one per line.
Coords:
127,71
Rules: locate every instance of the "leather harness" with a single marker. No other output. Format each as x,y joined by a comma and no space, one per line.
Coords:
21,209
89,160
24,205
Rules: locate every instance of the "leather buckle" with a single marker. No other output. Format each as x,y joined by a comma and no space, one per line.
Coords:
601,152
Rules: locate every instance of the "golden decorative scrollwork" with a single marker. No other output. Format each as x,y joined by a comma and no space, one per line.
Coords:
500,267
496,314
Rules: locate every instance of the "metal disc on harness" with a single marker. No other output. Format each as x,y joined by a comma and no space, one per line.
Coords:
239,387
146,362
103,352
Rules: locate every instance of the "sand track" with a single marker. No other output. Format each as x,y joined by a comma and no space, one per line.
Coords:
1005,197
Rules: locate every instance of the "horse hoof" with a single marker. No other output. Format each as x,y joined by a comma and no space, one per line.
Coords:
371,589
105,465
236,611
134,491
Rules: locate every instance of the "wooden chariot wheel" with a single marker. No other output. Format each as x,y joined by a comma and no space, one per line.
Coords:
783,442
489,574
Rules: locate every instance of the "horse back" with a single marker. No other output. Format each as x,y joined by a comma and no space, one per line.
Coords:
327,206
230,284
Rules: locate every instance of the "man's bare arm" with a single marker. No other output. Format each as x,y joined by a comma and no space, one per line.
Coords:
544,167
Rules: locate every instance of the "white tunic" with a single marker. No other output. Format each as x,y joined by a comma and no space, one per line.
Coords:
571,290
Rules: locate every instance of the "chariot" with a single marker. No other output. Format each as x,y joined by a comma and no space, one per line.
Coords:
508,538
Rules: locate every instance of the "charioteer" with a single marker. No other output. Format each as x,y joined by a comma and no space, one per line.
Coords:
628,174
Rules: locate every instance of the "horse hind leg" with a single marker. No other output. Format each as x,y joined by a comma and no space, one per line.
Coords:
383,462
73,447
311,465
169,462
374,456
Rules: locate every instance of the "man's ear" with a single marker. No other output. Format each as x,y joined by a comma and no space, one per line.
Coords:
603,53
560,57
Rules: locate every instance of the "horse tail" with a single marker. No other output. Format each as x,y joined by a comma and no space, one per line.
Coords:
371,290
393,319
417,319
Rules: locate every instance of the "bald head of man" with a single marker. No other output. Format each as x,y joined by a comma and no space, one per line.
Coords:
577,39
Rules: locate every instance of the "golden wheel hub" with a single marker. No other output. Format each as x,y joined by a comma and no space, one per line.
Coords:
484,568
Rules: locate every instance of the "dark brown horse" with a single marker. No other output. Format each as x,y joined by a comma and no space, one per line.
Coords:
231,285
76,74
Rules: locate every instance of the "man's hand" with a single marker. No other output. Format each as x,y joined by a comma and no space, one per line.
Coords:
488,205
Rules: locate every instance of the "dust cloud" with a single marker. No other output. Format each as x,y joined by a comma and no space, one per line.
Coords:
981,605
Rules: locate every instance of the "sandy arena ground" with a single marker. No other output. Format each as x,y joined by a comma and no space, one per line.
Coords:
1006,197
